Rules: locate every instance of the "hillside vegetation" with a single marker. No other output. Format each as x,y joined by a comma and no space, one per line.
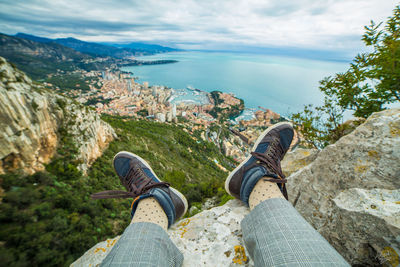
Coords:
48,218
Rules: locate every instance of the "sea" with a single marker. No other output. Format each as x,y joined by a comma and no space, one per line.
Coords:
282,84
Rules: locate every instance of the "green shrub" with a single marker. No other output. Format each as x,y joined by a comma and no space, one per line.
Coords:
48,218
370,84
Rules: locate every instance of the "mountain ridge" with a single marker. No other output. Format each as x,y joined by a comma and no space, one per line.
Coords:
39,59
129,50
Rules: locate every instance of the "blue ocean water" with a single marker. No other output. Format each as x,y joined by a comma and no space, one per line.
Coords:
283,84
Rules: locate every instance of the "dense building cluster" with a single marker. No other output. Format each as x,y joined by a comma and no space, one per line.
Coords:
120,94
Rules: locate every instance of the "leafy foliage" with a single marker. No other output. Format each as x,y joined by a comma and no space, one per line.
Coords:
175,156
48,218
71,81
373,78
369,85
99,99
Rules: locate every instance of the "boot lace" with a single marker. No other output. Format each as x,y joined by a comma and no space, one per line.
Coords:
271,161
136,181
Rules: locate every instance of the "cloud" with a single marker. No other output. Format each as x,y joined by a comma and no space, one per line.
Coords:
312,24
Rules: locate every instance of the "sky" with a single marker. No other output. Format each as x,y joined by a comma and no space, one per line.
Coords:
335,25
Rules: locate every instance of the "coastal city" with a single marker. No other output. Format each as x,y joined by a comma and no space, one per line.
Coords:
116,92
196,134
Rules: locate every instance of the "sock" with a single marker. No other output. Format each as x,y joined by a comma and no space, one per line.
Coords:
149,210
264,190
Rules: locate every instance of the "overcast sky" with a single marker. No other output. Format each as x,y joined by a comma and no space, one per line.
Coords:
200,24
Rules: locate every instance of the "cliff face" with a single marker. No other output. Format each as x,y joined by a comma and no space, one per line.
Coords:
31,118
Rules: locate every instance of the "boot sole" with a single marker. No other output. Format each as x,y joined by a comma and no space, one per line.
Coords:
176,192
228,180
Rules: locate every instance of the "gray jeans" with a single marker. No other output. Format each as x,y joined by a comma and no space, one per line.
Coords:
274,233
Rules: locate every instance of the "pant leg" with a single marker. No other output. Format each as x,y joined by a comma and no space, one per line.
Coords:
275,234
144,244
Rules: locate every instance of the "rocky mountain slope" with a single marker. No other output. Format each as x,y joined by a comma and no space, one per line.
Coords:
31,119
348,191
40,59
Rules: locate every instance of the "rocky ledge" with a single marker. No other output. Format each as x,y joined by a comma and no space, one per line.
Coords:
351,192
210,238
348,191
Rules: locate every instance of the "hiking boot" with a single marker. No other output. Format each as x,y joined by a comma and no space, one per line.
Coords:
264,161
141,182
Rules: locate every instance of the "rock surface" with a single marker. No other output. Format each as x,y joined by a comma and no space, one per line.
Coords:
297,159
351,192
210,238
31,118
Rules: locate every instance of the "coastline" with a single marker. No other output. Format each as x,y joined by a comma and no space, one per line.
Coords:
148,62
282,84
198,97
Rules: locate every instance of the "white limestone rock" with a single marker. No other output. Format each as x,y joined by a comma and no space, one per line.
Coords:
350,192
30,120
380,203
210,238
213,237
89,132
94,256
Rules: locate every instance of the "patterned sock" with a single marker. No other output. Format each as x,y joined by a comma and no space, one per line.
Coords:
264,190
149,210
